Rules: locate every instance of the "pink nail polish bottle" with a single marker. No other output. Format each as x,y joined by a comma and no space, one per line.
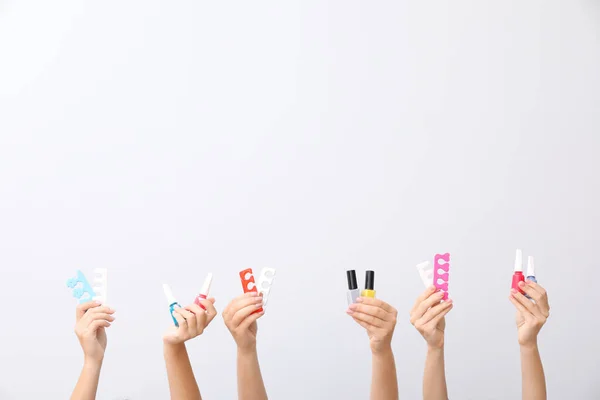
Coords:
204,290
518,274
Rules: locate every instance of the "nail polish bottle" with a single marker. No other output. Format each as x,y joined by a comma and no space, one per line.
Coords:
204,291
531,270
369,285
173,304
353,291
518,274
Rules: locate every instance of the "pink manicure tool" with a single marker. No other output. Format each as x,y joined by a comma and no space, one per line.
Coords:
444,276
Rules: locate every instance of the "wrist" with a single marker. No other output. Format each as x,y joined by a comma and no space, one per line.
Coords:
435,349
247,350
531,346
92,362
173,347
382,353
385,349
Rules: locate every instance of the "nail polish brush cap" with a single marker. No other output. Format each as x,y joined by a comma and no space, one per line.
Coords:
370,280
519,261
530,266
352,283
206,285
169,294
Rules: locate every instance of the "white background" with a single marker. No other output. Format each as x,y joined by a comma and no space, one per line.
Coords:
167,139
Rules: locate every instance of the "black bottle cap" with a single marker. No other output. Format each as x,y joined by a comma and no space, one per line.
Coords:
352,283
370,280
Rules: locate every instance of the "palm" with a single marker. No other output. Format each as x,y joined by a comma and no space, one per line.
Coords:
102,339
436,336
95,345
253,330
525,329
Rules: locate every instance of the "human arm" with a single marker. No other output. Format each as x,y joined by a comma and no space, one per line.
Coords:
530,318
379,320
427,316
92,320
240,318
192,321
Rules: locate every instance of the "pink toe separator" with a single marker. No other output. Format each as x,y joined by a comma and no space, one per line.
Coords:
441,277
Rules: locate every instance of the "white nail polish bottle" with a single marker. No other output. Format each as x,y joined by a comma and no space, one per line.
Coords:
353,291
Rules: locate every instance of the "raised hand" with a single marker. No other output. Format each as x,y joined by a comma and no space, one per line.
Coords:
427,315
90,328
378,318
240,319
192,321
531,314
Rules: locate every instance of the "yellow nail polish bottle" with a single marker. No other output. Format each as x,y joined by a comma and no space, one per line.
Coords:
369,290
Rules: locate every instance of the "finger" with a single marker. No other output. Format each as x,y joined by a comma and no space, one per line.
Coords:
428,292
101,309
436,320
99,316
543,299
211,312
199,315
245,302
190,319
528,289
434,311
82,308
369,319
521,308
537,287
100,323
229,307
242,314
368,327
181,322
370,310
370,301
245,324
426,304
195,309
527,304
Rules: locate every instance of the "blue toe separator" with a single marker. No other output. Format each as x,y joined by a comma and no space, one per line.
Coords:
80,291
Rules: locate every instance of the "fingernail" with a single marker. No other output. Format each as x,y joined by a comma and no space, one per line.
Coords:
359,300
431,287
348,311
449,301
440,293
352,306
258,305
521,284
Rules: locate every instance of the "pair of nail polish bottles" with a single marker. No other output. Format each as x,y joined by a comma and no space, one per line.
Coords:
354,292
